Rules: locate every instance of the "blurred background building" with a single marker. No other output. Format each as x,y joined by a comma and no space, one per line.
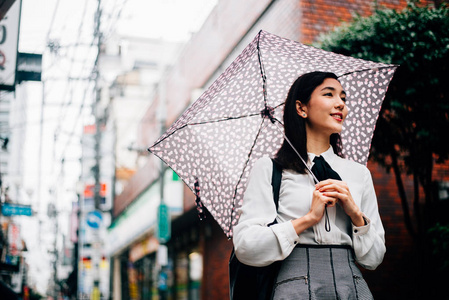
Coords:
91,209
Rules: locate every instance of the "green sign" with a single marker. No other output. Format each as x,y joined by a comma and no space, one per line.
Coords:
163,223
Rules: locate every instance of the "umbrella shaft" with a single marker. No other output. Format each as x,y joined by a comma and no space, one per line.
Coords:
294,149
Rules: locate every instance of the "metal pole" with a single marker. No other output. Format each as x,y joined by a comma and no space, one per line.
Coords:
97,114
39,159
97,188
162,114
56,254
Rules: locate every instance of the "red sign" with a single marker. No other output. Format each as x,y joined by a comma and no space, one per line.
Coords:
15,243
89,191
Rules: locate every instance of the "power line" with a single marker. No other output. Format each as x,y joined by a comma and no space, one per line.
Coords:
52,21
113,23
70,90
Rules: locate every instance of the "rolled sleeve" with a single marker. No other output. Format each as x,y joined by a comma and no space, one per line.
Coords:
286,235
361,230
369,240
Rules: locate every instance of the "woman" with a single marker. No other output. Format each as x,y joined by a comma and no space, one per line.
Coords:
321,228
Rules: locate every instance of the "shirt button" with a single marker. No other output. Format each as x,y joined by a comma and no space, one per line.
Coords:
356,230
295,242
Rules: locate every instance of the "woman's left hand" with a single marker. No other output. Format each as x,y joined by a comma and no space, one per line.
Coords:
340,191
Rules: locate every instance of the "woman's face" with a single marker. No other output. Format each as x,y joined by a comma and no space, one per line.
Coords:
326,109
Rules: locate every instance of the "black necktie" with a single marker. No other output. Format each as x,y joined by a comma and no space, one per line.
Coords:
323,171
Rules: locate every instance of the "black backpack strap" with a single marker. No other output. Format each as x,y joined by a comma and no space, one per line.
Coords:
276,178
246,282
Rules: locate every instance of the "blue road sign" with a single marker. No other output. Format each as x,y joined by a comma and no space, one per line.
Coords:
94,219
9,209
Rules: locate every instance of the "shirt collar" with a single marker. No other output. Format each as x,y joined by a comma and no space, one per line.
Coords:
328,155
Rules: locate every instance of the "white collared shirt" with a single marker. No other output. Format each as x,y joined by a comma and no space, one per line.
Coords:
257,244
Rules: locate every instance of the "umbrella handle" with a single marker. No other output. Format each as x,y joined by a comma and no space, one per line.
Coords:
302,159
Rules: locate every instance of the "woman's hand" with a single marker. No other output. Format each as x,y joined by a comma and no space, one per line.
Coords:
328,193
339,191
316,213
319,201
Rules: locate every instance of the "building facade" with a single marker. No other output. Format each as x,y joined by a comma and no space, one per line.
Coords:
130,68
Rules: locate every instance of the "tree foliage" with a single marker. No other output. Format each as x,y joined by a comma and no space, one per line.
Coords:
439,239
412,130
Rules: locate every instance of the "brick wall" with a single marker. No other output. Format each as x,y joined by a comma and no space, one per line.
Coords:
398,276
217,250
322,15
391,279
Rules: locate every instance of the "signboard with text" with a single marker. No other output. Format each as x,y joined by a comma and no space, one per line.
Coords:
163,223
9,209
29,67
89,194
9,38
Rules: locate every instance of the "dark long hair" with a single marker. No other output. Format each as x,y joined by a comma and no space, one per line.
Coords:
295,126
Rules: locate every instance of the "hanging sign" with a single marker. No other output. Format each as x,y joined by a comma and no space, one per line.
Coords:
163,223
9,38
29,67
9,209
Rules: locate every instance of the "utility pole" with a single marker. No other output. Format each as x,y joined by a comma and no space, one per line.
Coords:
39,168
164,220
55,253
96,256
98,118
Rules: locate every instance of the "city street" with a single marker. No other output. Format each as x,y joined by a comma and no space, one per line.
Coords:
129,130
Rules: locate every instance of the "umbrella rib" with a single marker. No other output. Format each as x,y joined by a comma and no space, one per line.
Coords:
243,171
221,120
226,118
262,71
210,121
202,123
368,69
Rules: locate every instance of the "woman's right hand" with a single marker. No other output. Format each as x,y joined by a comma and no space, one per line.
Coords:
319,202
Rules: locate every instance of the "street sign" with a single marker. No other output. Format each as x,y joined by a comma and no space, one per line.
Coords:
9,209
163,224
29,67
94,219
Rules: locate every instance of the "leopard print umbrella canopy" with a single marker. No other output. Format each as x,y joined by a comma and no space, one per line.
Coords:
218,138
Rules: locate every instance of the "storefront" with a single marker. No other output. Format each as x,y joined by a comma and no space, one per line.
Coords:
142,278
138,272
181,273
132,243
187,255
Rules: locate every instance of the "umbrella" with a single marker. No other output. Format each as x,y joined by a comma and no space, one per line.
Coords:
216,141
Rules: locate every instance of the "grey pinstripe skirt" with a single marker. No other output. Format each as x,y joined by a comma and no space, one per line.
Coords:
321,273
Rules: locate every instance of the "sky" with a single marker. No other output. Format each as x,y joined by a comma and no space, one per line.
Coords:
69,27
60,19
